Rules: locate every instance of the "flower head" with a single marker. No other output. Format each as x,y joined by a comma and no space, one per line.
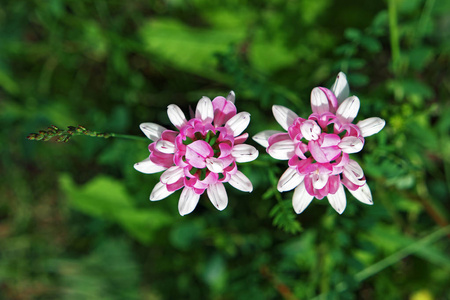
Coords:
201,154
318,148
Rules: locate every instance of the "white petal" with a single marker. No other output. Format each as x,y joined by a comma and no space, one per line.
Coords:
319,180
165,146
301,198
352,177
282,150
188,201
231,96
340,87
215,165
204,110
363,194
176,115
284,116
351,144
238,123
338,201
244,153
159,192
289,180
348,109
319,101
310,130
148,167
218,195
353,167
152,131
172,175
241,182
371,126
262,138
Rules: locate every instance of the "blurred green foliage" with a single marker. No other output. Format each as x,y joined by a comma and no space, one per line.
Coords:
75,221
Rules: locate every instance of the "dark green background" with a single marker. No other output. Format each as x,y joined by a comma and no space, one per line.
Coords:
75,220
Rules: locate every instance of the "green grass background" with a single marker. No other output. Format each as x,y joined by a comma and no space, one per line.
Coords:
75,219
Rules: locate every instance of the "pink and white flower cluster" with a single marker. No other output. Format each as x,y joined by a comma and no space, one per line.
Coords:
201,154
318,148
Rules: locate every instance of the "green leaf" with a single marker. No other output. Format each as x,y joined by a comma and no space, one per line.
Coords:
284,217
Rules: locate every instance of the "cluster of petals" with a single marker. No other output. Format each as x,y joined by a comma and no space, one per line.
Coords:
201,155
318,148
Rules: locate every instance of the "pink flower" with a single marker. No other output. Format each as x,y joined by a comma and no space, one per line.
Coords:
318,148
201,154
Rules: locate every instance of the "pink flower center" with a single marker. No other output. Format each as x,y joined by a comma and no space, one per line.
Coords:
205,152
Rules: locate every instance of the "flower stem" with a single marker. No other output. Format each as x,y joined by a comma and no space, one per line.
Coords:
394,36
129,137
53,133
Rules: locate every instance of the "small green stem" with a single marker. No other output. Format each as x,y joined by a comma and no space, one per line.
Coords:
394,36
399,255
59,135
129,137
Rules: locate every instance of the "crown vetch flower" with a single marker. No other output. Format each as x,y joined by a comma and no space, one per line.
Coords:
201,154
318,148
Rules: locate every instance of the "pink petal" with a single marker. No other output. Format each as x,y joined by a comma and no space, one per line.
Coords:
204,110
331,153
278,137
211,178
225,150
326,151
172,187
332,101
188,201
284,116
241,182
317,152
159,158
330,140
196,152
218,195
240,139
301,198
309,185
223,110
334,183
